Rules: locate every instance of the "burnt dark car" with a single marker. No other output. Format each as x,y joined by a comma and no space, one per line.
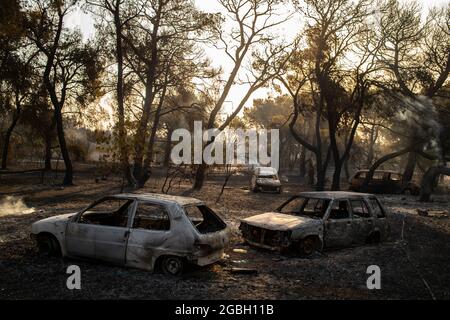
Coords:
383,182
312,221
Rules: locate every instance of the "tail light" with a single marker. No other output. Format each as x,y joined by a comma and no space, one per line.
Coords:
203,248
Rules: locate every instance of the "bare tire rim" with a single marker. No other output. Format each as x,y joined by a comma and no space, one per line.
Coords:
308,246
45,246
173,266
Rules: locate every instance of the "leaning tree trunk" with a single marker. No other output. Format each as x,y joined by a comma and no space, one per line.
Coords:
380,161
428,180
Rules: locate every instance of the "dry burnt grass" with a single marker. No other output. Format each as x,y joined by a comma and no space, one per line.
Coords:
338,274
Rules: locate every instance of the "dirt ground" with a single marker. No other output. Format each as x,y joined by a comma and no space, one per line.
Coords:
416,267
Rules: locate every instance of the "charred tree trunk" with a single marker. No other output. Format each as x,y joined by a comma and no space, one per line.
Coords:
310,173
168,148
410,166
151,65
7,139
428,181
302,166
200,176
68,176
373,139
48,152
321,174
146,172
346,170
125,166
380,162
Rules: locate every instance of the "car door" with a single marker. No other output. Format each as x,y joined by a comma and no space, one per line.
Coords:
150,230
376,184
362,221
101,231
80,239
380,220
338,225
394,183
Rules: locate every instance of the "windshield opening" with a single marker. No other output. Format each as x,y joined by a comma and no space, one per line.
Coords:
302,206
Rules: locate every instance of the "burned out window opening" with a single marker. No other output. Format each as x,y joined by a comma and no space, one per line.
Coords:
204,219
339,210
111,212
377,208
311,207
361,175
395,177
359,209
378,175
150,216
292,206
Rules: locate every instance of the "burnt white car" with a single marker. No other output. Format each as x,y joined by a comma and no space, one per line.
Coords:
265,179
312,221
145,231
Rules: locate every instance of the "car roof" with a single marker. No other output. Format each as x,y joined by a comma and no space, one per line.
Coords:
335,195
159,198
382,171
265,170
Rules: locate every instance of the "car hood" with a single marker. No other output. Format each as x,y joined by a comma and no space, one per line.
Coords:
55,219
279,221
268,182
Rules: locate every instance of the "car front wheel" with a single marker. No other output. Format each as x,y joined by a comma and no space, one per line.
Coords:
307,246
172,265
48,245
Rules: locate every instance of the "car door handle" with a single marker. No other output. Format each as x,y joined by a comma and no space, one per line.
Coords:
126,234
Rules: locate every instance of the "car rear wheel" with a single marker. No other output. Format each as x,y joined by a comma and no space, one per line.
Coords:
172,265
407,192
373,238
48,245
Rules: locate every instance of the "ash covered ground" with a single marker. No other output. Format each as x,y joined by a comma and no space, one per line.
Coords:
415,267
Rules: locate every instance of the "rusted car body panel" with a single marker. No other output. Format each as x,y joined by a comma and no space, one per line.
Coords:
280,231
135,247
383,181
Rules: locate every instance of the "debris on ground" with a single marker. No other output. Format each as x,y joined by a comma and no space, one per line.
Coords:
422,213
237,250
243,270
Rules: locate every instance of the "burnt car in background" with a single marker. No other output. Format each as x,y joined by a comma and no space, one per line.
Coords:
145,231
383,182
312,221
265,179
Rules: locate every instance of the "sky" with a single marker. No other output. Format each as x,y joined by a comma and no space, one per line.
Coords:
83,21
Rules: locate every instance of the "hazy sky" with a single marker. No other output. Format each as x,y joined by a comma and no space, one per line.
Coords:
78,19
